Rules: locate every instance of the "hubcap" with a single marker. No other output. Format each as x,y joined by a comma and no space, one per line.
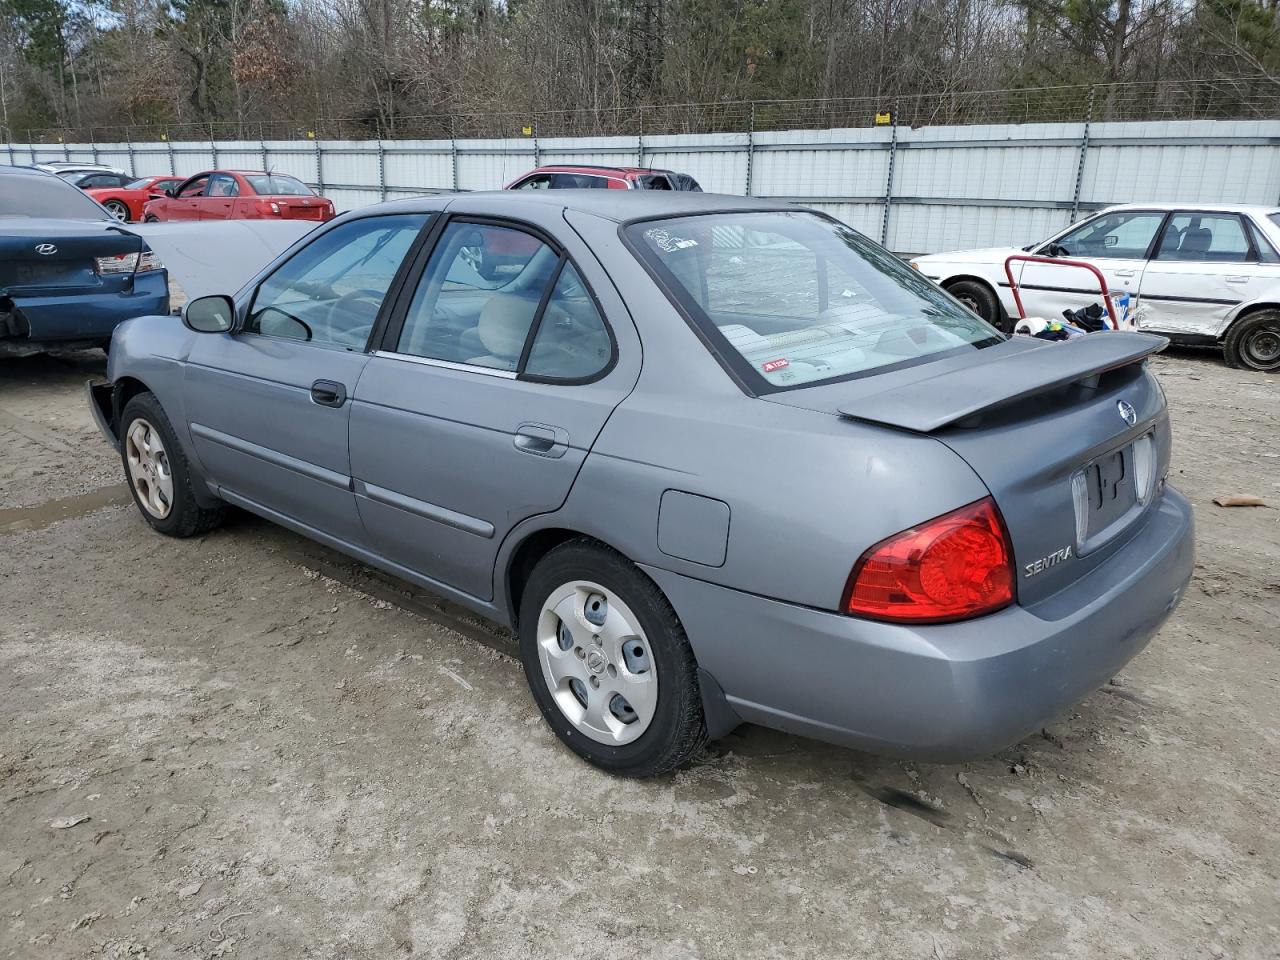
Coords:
149,471
117,210
597,663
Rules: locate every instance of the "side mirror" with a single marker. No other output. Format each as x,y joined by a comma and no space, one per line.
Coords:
214,314
1110,240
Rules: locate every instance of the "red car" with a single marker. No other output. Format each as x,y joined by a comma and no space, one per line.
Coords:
125,203
239,195
613,178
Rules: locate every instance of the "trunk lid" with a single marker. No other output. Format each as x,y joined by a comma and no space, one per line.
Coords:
302,208
1046,426
43,257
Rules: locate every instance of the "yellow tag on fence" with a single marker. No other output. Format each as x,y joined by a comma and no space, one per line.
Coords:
527,131
884,119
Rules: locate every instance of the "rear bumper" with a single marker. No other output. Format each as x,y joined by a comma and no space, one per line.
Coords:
940,692
53,318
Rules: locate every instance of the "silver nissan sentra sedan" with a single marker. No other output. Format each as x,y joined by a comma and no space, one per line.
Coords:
714,459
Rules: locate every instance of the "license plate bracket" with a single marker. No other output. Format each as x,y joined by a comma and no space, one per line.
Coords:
1110,489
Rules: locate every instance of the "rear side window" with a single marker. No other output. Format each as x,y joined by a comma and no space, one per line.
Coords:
790,298
331,290
498,297
43,196
578,181
1204,238
1266,252
278,185
571,342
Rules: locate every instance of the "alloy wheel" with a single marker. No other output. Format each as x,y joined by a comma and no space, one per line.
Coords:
149,470
117,210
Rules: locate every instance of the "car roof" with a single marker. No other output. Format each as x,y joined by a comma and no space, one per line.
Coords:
22,171
1246,208
620,206
597,168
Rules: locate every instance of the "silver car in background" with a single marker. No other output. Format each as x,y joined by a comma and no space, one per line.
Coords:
715,460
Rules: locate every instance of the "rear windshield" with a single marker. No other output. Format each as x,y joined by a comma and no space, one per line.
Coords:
278,185
37,196
791,298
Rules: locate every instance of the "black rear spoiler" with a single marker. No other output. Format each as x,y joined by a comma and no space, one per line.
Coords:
935,402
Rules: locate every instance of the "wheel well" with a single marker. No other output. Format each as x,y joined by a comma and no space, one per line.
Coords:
124,390
526,556
1244,314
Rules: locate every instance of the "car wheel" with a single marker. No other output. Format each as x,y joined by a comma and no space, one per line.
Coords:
1254,342
608,662
117,210
157,471
150,218
982,300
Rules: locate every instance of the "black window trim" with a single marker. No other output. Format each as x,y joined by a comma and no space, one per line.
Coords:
393,291
387,344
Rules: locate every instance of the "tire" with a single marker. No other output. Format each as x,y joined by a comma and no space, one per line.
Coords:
1253,343
162,491
638,641
150,218
982,300
117,210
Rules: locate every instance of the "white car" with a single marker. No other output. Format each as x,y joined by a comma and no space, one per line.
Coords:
1199,274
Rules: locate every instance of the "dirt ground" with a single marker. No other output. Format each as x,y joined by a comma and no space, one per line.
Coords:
269,751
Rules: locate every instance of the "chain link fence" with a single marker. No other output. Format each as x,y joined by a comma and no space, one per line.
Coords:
1247,98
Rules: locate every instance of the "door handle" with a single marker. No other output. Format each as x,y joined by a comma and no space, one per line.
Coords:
328,393
541,440
1126,273
1236,279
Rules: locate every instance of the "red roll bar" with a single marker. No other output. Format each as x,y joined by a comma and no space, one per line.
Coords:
1031,258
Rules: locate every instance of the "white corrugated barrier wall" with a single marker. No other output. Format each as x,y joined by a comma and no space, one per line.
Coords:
920,190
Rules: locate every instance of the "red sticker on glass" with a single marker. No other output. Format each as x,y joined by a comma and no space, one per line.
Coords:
773,365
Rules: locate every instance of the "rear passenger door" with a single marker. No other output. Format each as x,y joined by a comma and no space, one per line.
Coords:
488,391
1205,265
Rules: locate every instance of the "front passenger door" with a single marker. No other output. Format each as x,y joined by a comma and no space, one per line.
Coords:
1117,243
268,405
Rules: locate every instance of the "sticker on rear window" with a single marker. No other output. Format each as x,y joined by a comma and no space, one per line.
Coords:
667,242
772,365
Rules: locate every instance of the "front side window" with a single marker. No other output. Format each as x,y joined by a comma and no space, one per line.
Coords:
1119,236
331,290
789,299
539,181
278,185
194,188
1204,237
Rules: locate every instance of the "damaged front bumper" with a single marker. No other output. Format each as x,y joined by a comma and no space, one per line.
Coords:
101,396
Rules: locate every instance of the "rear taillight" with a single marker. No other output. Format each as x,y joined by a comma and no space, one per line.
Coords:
124,263
953,567
268,207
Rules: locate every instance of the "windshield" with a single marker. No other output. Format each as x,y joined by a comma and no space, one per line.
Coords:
789,299
38,196
143,184
278,185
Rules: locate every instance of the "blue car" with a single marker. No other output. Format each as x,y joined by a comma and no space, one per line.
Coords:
69,273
